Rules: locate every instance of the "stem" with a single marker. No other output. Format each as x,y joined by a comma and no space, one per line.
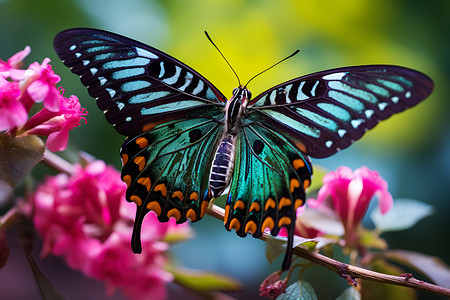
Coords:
356,272
57,163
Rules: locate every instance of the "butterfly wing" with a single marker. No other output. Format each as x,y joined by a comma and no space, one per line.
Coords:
269,182
326,111
172,115
137,86
167,169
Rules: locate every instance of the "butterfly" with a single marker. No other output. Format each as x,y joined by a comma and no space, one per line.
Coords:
188,144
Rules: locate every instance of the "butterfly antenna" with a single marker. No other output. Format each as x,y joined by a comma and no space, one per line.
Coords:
209,38
295,52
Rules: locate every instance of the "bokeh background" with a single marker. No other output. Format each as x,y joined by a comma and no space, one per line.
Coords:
411,150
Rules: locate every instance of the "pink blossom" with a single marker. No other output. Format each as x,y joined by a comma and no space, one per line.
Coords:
351,193
86,219
301,228
56,125
272,286
304,230
40,84
11,68
20,89
12,111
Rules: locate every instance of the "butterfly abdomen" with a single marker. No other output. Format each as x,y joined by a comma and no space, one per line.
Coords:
222,167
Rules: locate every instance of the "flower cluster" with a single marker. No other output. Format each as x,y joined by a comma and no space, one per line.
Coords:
348,194
341,204
85,219
20,89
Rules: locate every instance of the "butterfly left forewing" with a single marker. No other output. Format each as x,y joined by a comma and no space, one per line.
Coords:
326,111
137,86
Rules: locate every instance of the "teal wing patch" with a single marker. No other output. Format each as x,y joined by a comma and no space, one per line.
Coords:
268,184
167,169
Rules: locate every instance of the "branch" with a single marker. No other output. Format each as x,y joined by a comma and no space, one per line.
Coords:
57,163
349,270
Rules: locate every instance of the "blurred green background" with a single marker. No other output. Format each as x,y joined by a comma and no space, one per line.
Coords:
411,150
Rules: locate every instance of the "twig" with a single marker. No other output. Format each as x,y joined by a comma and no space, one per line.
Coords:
57,163
349,270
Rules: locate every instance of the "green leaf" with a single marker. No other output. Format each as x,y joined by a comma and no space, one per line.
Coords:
350,293
431,266
371,239
300,290
204,282
47,289
275,246
404,214
372,290
18,156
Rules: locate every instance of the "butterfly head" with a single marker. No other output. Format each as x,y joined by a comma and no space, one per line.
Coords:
242,94
235,107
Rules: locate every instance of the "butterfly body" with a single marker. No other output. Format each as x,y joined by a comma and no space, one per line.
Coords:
187,143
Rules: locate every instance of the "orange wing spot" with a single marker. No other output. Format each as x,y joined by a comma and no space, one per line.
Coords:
284,221
298,203
191,215
251,227
124,159
268,223
148,126
227,214
284,202
174,213
306,184
300,146
142,142
178,194
162,188
204,208
269,203
136,199
194,196
239,204
127,180
255,207
146,182
235,224
298,163
294,184
140,161
154,206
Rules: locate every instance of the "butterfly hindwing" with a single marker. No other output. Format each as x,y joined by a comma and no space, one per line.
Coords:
269,182
136,85
167,168
326,111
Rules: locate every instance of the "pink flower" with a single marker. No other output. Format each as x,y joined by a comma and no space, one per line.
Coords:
272,286
86,219
56,125
304,230
11,68
351,193
12,111
40,83
20,89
